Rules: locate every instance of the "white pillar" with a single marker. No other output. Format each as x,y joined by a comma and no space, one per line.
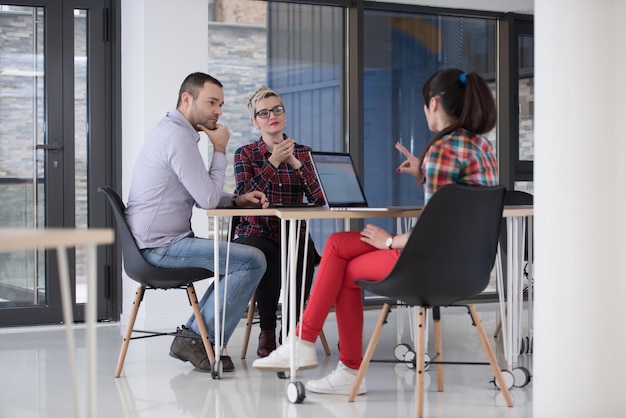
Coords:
580,209
162,42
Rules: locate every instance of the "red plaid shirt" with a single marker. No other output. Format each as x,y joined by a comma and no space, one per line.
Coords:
253,171
460,157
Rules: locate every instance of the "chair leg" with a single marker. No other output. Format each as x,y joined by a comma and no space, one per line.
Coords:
129,329
491,356
249,321
371,347
324,343
420,337
499,325
498,328
248,331
193,300
438,354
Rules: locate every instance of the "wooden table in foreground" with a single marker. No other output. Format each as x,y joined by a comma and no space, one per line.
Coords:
21,239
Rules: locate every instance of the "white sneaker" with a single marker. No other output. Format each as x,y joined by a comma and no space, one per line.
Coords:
339,382
278,360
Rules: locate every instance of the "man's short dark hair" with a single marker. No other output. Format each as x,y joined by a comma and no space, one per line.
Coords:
193,83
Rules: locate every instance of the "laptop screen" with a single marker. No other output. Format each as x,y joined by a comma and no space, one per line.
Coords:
338,178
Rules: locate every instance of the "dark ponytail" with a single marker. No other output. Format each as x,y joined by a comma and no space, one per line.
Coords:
466,97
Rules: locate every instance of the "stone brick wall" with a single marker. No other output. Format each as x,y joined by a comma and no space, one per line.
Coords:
237,57
526,121
252,12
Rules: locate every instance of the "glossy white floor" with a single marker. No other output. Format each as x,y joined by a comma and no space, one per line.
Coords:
36,382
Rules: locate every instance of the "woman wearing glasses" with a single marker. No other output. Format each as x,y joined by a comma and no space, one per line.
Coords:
276,165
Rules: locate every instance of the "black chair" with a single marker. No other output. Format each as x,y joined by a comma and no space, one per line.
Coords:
151,277
447,259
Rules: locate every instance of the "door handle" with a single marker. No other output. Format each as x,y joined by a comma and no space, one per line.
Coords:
56,147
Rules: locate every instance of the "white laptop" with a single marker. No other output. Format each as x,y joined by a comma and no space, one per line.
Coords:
339,181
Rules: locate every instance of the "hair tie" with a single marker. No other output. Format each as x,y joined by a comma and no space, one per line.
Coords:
463,78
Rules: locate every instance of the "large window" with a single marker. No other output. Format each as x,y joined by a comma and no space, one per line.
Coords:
296,49
306,52
307,66
401,50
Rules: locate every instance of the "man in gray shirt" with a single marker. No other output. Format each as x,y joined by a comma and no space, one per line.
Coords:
169,178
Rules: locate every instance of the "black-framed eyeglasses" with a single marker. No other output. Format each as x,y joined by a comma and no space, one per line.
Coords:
265,113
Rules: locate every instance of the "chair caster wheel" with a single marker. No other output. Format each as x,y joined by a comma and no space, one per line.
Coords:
509,380
521,377
282,375
427,361
409,359
400,351
295,392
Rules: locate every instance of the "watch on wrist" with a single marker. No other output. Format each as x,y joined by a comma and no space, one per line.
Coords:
389,242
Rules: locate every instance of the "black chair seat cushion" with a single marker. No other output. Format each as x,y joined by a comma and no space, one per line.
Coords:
136,266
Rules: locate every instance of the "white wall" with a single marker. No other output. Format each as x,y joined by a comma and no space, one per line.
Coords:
162,43
580,201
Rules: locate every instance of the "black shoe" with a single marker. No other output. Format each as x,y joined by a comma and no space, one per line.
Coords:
188,346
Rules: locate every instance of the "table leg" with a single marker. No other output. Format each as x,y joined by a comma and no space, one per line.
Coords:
284,276
531,283
508,319
292,252
511,306
68,317
90,318
502,305
216,299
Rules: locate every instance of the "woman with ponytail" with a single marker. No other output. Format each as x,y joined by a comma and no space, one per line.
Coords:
459,108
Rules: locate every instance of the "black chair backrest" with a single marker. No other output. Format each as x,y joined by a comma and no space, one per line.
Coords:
136,265
451,250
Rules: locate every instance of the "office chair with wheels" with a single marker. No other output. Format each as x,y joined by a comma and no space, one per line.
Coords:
151,277
447,259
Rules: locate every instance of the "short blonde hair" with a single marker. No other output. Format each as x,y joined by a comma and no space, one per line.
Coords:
261,93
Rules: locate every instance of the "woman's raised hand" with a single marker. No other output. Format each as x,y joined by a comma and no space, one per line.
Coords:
412,163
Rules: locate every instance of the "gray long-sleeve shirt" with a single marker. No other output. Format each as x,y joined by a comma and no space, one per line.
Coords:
169,177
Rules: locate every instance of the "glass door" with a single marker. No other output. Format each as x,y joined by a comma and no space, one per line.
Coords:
52,118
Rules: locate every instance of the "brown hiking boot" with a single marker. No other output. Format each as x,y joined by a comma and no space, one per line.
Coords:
188,346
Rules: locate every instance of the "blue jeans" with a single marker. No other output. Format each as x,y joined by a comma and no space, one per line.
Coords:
246,268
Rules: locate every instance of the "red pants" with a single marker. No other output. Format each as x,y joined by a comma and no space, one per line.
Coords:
345,259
